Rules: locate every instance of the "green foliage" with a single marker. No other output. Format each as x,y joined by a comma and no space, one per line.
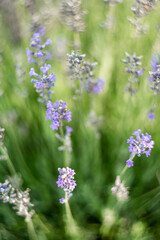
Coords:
33,147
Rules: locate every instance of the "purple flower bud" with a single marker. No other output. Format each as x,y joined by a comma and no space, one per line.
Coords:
48,42
129,163
39,54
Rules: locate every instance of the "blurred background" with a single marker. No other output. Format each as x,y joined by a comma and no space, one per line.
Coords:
100,150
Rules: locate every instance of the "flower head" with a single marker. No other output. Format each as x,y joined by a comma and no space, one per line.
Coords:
141,144
38,51
119,190
44,83
66,181
57,112
19,199
154,78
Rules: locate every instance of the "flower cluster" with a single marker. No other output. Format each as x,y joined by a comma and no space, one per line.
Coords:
142,144
142,8
132,67
57,112
66,182
71,15
44,83
20,199
95,86
38,49
119,190
112,2
83,71
154,78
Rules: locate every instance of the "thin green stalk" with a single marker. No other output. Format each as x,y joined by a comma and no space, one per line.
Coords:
9,163
67,156
77,41
72,228
31,231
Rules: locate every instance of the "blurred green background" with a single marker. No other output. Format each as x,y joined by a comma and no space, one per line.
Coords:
33,147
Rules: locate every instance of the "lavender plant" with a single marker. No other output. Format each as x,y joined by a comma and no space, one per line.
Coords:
19,199
133,68
82,76
119,190
70,15
154,82
142,144
154,78
66,182
44,83
141,8
38,51
57,113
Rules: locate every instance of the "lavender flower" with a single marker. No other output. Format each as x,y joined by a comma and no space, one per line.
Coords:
142,8
18,198
154,78
119,190
38,49
71,15
95,86
44,83
141,145
57,112
151,116
132,67
66,182
82,75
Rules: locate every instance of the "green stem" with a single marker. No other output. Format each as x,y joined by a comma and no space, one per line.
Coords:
67,156
31,231
9,162
77,41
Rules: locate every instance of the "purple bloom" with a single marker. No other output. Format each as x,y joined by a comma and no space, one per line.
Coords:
32,72
57,112
62,200
94,86
66,181
45,68
48,42
39,85
69,129
45,82
98,86
140,72
48,56
151,116
38,49
154,78
142,144
39,54
28,52
129,163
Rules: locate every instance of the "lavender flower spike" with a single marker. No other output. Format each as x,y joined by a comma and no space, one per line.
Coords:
142,144
66,182
57,112
44,83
